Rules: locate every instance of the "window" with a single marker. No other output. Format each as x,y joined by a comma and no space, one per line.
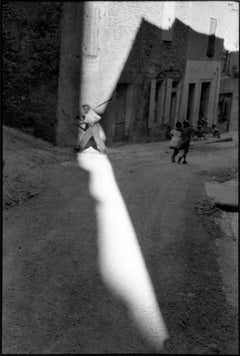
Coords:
211,37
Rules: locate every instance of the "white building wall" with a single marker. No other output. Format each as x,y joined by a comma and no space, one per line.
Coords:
198,72
206,69
227,20
119,22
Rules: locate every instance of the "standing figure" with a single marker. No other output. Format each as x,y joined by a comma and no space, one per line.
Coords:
175,142
82,128
186,139
92,128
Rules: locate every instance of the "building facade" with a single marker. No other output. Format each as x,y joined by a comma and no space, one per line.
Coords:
153,63
211,76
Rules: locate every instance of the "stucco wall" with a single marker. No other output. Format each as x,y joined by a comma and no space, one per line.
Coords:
160,60
131,50
202,68
227,21
232,86
119,25
227,28
122,42
198,72
198,46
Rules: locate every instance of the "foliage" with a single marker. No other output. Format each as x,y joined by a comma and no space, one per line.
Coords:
31,46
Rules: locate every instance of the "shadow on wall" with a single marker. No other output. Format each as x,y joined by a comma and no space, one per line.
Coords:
141,108
127,116
148,92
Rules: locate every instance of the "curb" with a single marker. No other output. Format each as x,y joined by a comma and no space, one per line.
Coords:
224,195
227,139
231,208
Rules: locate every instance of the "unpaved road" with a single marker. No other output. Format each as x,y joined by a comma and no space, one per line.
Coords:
54,300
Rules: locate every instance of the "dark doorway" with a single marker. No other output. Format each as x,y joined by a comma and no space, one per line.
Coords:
190,103
224,111
173,108
204,100
158,85
120,112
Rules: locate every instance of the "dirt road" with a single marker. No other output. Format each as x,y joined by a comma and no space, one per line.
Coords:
54,299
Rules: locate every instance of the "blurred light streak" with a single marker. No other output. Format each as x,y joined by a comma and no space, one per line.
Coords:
121,262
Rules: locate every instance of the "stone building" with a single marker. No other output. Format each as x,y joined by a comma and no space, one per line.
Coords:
153,62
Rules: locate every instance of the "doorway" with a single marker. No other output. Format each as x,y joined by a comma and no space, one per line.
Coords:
224,111
173,108
204,99
190,103
120,112
156,108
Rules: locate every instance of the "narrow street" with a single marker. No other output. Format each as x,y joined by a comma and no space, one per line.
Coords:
125,252
54,299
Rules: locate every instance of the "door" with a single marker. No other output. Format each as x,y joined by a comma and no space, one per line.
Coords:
120,112
173,109
204,100
224,111
190,104
156,105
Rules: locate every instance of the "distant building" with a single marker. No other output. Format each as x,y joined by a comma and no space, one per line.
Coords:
159,62
211,76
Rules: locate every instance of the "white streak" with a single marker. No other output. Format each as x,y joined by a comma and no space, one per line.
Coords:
121,263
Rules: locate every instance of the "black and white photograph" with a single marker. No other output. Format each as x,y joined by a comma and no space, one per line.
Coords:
120,177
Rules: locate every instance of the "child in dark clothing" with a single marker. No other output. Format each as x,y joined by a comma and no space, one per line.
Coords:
186,139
